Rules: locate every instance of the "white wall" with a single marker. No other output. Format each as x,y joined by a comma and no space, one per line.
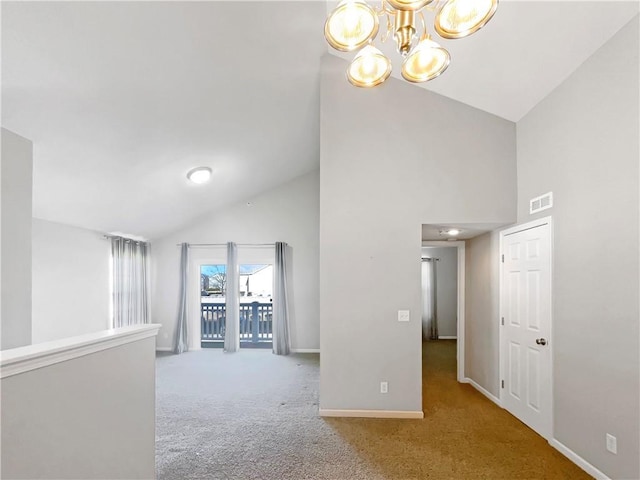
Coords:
91,416
391,159
446,288
16,172
70,281
582,143
288,213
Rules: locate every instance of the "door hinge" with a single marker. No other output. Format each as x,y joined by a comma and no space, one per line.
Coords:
503,258
502,320
502,383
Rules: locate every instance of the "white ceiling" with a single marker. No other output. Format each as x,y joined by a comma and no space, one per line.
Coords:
431,233
525,51
121,99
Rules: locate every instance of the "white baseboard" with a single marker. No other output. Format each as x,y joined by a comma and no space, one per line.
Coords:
372,413
164,349
483,391
447,337
578,460
305,350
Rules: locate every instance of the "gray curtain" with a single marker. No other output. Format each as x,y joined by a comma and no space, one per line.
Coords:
281,302
130,281
232,327
182,337
429,299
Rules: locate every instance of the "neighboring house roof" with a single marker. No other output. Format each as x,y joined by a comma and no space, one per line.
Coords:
251,269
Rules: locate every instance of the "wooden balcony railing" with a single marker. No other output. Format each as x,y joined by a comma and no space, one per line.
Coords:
256,323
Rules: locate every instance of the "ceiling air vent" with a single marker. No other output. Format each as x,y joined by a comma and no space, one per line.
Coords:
541,203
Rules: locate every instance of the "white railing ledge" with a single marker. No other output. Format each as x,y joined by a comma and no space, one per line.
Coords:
30,357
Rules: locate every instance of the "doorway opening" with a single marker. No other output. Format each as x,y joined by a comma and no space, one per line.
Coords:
255,287
442,277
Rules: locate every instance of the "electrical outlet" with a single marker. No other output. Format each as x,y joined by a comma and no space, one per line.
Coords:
403,315
384,387
612,444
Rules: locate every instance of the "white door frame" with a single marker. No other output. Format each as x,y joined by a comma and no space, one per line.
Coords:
501,353
460,245
214,255
198,258
193,302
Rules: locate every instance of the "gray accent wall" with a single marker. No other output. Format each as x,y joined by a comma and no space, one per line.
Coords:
582,143
16,172
482,310
391,159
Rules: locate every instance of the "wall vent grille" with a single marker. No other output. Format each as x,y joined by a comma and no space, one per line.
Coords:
541,203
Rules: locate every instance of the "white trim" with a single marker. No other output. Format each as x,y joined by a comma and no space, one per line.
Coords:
525,226
164,349
483,391
111,308
441,243
578,460
24,359
305,350
501,356
460,328
447,337
372,413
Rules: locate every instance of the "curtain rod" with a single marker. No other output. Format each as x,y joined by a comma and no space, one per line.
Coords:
109,237
224,244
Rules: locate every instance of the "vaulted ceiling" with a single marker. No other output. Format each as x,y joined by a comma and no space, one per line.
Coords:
121,99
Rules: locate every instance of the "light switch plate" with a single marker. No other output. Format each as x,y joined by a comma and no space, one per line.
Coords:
403,315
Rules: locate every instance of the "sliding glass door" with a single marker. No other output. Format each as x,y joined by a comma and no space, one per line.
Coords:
255,287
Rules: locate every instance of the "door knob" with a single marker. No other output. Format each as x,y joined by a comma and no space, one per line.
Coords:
541,341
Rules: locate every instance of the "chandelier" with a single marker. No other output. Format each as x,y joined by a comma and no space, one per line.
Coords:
354,24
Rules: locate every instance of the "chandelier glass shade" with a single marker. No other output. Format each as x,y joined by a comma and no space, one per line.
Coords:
369,68
461,18
425,62
354,25
408,4
351,25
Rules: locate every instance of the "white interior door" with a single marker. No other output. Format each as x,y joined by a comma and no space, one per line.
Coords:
526,313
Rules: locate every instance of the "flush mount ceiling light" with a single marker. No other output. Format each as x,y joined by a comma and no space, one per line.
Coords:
453,232
199,175
354,24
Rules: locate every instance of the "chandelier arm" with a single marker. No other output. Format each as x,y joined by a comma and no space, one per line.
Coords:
386,8
385,37
434,6
424,27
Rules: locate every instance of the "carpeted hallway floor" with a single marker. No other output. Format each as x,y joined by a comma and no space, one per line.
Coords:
254,415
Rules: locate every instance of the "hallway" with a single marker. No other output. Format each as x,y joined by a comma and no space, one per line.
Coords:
474,437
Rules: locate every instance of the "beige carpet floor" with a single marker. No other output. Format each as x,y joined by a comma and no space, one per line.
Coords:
253,415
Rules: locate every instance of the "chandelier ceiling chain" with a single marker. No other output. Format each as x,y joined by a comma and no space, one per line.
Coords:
354,25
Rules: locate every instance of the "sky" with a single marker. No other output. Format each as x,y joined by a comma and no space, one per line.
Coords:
210,270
